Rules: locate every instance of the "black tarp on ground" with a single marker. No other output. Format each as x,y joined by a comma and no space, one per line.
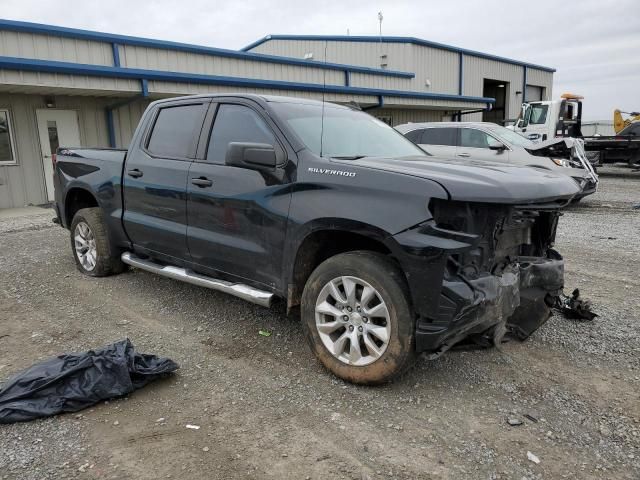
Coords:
71,382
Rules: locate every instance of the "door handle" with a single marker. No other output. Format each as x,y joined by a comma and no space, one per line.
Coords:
464,155
202,182
135,173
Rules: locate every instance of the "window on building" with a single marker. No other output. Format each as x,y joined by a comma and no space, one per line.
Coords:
472,138
236,123
439,136
7,150
176,130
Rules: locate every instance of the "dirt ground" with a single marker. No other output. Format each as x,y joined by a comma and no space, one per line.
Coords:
266,409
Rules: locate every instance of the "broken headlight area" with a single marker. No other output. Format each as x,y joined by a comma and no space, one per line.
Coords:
503,278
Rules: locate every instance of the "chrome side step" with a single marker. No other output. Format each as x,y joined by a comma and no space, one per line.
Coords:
245,292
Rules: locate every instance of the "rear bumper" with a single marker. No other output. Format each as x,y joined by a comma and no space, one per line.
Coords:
517,301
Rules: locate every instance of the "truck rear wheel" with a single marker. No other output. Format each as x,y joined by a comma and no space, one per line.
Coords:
357,317
92,251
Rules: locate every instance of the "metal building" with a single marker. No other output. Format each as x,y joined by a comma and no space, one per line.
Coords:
438,68
63,86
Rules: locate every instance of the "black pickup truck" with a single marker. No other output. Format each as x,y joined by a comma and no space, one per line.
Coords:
387,250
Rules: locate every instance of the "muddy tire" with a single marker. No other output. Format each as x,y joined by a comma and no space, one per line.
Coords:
358,319
92,251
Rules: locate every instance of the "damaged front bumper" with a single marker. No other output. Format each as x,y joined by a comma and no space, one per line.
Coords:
515,302
478,272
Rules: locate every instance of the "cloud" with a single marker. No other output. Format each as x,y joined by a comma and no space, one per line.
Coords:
592,44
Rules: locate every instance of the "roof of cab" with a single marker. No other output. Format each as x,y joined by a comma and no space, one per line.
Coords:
251,96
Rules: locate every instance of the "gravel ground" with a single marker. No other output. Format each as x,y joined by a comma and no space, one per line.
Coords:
266,408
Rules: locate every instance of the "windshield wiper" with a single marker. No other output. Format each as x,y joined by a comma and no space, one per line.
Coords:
348,157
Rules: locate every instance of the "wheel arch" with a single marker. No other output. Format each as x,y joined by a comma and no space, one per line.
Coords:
327,238
76,199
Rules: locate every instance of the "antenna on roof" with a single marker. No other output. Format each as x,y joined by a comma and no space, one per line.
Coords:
380,18
324,87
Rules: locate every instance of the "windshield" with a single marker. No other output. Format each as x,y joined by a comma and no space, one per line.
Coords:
346,133
532,113
538,114
510,137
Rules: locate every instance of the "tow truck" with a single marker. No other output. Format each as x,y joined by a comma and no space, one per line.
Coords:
544,120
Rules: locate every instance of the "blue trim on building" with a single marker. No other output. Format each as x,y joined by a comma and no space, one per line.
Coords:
42,29
460,73
116,54
28,64
413,40
111,128
144,93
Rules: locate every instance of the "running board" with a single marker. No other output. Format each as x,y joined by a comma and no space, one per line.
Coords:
239,290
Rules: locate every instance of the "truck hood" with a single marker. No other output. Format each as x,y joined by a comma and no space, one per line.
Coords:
474,181
556,148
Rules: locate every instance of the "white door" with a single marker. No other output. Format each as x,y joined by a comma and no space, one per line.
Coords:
56,128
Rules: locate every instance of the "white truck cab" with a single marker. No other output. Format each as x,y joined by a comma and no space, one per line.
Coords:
545,120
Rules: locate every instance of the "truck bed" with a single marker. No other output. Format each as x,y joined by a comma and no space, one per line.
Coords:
615,141
95,170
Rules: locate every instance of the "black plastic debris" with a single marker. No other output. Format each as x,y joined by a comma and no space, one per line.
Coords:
71,382
575,306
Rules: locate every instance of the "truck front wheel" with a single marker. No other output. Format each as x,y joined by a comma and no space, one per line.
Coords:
92,251
357,317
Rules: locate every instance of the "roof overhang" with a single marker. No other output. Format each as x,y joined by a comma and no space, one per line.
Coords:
115,39
387,39
145,76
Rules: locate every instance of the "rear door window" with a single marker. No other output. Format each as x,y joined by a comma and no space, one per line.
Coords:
176,131
415,135
439,136
473,138
236,123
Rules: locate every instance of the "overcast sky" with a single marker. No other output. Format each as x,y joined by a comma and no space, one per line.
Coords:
594,45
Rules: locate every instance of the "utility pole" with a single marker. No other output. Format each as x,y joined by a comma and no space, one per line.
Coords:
383,56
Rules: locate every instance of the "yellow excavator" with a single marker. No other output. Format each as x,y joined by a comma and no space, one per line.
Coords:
621,124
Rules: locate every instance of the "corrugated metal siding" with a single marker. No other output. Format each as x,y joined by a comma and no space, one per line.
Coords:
126,119
95,85
440,67
540,78
174,88
23,184
175,61
400,116
477,69
50,47
436,104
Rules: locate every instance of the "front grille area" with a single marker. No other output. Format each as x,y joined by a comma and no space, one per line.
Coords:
505,233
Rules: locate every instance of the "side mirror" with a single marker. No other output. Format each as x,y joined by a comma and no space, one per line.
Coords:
255,156
495,145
